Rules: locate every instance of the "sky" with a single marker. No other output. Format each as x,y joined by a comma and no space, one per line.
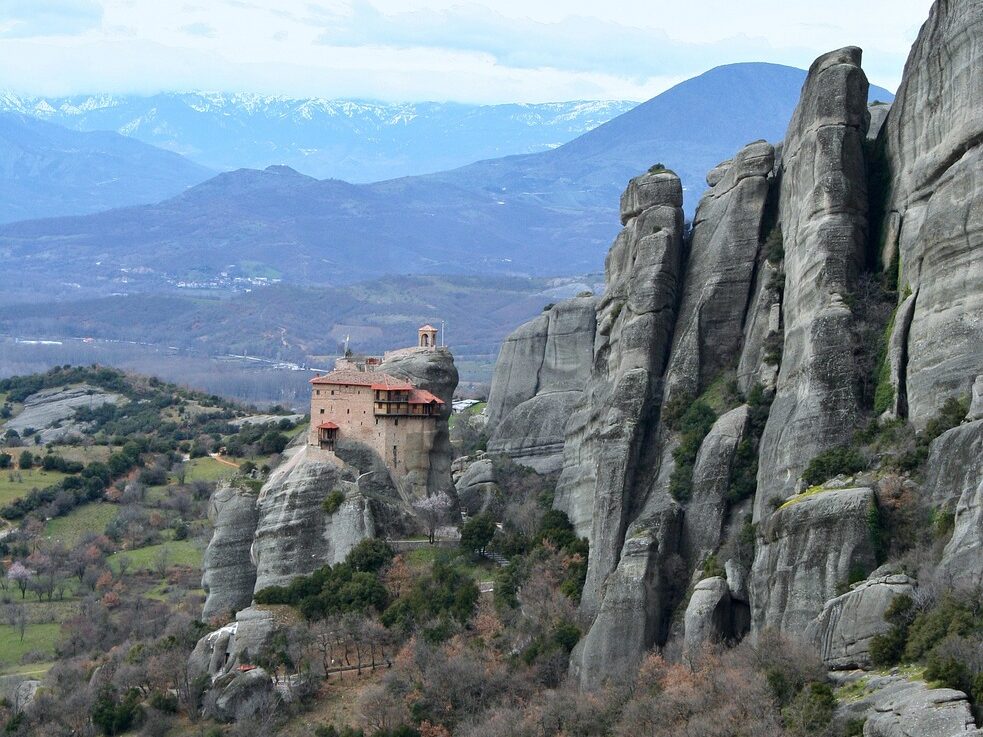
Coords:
442,50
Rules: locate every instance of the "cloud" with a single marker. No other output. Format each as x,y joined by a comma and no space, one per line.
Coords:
200,29
30,18
575,43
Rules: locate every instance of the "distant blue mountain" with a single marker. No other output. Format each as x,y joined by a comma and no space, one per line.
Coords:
341,139
550,213
47,170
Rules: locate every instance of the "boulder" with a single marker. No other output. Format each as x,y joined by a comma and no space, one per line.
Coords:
845,627
240,695
823,213
806,550
932,144
539,379
477,489
294,534
229,575
708,614
655,188
236,644
897,707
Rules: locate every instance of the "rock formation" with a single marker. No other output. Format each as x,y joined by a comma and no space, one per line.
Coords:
709,616
932,147
823,213
435,372
845,627
539,379
229,575
51,412
807,549
602,456
294,533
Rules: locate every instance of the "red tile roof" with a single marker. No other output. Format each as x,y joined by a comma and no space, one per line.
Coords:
349,377
422,396
327,426
403,387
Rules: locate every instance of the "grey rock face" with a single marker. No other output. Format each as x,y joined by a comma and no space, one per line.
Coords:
845,627
954,481
633,613
294,535
878,115
476,487
706,511
229,575
805,551
238,643
434,371
933,146
539,379
720,271
635,320
51,412
902,708
897,355
238,696
976,400
708,614
764,320
823,212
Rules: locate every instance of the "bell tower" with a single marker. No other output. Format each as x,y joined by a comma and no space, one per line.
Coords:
428,337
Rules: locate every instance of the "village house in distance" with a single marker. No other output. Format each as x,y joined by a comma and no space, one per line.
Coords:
359,402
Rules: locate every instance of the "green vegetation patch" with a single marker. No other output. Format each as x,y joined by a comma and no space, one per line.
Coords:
81,521
16,483
693,426
183,553
39,638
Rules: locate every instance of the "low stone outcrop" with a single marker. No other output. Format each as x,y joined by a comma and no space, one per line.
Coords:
229,575
708,615
237,643
823,214
294,534
539,378
976,401
894,706
845,627
239,695
51,412
806,550
932,143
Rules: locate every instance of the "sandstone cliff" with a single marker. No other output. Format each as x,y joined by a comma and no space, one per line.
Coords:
229,574
539,379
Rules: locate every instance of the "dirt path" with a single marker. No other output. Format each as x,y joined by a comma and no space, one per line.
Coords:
221,460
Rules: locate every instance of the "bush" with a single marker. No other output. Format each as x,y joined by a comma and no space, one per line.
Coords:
333,501
26,460
811,710
6,460
694,425
833,462
477,533
115,716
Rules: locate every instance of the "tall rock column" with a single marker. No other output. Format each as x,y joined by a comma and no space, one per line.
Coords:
634,329
932,146
823,212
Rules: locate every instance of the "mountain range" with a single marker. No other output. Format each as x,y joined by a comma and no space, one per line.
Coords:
354,140
550,213
48,171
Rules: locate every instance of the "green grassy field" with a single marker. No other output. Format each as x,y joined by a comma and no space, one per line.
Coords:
423,558
179,553
82,453
15,483
71,528
207,469
37,637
